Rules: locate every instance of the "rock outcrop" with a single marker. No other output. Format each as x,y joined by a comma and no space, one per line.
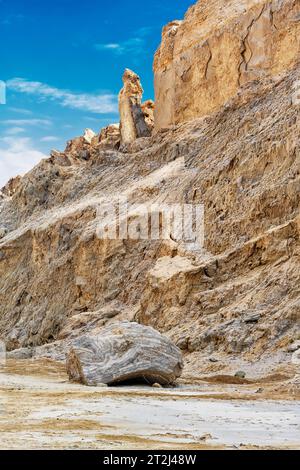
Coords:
89,135
219,47
110,137
11,187
148,111
124,352
133,122
239,298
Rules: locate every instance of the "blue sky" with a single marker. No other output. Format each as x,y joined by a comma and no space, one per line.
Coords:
62,62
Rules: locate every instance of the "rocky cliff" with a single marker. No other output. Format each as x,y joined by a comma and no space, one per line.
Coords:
221,45
238,300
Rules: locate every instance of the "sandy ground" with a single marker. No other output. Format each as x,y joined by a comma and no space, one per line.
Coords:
40,409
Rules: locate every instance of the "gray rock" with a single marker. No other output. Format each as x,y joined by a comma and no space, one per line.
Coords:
294,346
156,385
123,352
240,374
22,353
252,317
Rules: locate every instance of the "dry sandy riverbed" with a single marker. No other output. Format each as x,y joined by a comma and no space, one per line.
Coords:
40,409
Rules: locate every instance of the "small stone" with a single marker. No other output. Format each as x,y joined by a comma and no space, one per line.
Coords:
205,437
259,390
240,374
157,385
252,317
293,347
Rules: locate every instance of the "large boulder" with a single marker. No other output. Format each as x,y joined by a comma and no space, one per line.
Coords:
124,352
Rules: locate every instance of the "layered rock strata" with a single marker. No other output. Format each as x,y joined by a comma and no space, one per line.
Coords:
238,300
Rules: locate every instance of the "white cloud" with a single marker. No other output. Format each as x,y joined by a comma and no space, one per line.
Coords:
27,122
134,45
17,156
20,111
101,104
49,138
15,130
111,46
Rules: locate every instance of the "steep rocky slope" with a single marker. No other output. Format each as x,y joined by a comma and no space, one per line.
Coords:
238,300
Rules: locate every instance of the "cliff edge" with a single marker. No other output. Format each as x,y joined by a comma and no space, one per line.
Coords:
204,60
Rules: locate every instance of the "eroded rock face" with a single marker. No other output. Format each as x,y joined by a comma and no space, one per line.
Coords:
238,301
133,121
123,352
219,47
242,163
11,186
110,136
148,111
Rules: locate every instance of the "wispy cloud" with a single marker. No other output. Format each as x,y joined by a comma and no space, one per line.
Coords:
26,112
101,104
15,130
27,122
134,45
49,138
112,46
18,156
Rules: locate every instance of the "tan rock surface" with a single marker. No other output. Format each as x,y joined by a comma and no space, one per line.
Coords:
148,111
239,300
219,47
132,119
110,136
